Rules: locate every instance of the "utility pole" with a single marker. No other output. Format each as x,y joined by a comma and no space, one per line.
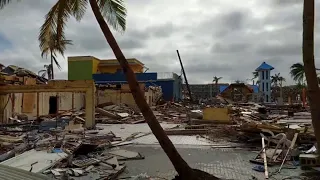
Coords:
185,77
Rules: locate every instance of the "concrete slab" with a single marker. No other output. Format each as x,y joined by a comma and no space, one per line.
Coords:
225,163
38,161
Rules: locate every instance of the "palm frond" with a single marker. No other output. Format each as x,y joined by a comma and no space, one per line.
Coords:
63,14
4,3
115,12
297,72
78,8
55,22
282,79
60,48
45,52
54,47
255,74
48,28
56,62
42,71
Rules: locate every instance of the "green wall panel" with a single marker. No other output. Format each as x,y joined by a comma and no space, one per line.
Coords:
80,70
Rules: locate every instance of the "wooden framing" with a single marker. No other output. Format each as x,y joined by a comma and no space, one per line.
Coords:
86,86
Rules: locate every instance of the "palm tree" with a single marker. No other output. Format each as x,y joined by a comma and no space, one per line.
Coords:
309,65
275,79
281,80
255,74
216,80
50,46
297,72
115,13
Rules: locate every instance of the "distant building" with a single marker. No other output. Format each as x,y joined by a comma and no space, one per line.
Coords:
238,92
205,91
82,67
265,81
109,72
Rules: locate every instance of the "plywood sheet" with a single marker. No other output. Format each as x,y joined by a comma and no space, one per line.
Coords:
29,99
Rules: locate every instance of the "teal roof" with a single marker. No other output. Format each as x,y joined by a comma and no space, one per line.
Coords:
264,66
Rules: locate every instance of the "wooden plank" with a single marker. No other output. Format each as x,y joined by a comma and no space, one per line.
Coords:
266,174
186,132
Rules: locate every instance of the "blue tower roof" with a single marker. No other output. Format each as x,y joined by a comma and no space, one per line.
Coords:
264,66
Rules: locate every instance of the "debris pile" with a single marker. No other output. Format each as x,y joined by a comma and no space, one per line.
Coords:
62,147
118,114
62,153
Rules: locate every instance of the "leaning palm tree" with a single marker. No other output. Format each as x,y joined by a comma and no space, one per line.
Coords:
216,80
51,46
115,13
309,65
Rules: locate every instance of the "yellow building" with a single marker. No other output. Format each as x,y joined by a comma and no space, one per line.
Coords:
82,67
113,66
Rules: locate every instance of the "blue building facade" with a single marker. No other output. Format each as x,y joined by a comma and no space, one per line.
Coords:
171,86
264,71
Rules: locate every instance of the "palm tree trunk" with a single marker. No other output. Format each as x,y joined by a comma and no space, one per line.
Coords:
51,55
309,66
178,162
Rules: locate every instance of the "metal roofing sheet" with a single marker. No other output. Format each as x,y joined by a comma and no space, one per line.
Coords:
126,130
7,172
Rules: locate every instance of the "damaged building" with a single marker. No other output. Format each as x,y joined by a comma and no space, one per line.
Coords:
109,72
34,104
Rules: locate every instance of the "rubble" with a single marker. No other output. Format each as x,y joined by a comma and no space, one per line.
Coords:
59,146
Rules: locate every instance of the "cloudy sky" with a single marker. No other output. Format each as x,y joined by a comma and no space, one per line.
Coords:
215,38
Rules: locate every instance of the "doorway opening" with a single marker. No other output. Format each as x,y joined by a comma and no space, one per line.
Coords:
53,105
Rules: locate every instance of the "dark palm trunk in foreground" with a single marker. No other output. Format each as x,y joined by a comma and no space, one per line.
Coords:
309,66
179,164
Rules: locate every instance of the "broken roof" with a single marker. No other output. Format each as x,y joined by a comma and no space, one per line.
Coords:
237,85
19,71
